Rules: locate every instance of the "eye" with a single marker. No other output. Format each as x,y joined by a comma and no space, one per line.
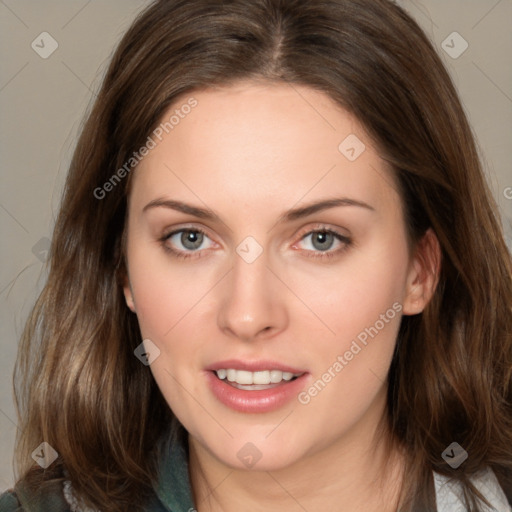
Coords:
186,241
323,242
320,240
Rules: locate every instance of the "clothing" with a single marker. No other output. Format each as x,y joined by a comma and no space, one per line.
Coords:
449,495
173,491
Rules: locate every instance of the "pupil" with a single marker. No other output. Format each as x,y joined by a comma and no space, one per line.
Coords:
191,239
323,241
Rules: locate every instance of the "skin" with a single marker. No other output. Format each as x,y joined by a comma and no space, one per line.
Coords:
249,153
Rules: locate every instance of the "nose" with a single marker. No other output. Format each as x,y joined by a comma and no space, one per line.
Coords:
253,302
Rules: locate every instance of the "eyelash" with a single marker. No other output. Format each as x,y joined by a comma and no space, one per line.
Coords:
177,253
326,255
345,240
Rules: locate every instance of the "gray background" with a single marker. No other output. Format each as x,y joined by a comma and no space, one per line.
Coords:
42,102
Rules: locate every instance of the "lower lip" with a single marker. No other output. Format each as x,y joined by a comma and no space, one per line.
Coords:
263,400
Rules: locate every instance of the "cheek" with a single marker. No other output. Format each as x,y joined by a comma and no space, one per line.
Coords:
165,292
361,303
169,307
349,368
353,295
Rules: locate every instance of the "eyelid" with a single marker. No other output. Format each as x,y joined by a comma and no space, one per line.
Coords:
182,253
344,239
319,227
186,227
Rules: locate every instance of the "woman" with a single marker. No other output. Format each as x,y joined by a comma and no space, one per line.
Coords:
277,278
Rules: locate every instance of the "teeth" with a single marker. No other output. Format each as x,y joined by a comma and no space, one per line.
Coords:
261,377
246,378
243,377
276,376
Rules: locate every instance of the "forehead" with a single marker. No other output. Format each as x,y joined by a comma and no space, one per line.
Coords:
259,141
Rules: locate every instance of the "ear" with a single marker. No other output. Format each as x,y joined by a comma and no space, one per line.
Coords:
423,274
128,294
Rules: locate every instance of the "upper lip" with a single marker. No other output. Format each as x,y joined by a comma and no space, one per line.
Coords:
253,366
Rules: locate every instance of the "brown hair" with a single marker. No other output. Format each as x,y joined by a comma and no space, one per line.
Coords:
79,386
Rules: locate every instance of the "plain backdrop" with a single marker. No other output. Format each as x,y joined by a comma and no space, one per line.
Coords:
42,102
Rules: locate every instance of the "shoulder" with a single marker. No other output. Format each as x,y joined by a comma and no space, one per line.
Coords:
57,497
9,502
449,493
22,500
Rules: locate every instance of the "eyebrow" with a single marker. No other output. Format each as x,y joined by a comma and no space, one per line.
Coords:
290,215
306,211
202,213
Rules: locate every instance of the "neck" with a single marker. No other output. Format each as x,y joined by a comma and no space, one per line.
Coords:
360,471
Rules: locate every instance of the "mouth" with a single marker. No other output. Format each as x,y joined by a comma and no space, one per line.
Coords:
255,381
254,387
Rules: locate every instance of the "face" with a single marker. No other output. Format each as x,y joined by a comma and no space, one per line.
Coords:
270,267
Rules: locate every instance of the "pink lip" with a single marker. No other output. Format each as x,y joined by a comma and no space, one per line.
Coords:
260,401
252,366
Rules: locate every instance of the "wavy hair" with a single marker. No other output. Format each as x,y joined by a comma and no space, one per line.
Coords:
78,385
